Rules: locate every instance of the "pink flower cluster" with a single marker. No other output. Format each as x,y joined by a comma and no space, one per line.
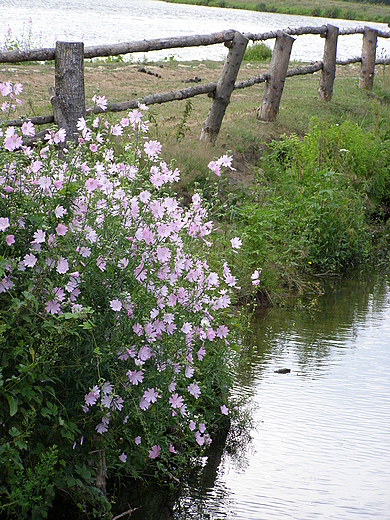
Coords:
163,301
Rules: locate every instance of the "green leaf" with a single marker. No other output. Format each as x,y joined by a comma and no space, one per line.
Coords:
14,432
13,405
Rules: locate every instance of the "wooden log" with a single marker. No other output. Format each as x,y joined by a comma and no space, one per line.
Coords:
367,71
68,99
153,99
325,90
224,88
37,120
302,71
158,44
349,61
277,74
17,56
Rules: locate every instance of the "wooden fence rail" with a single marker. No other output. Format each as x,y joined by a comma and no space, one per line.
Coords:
67,97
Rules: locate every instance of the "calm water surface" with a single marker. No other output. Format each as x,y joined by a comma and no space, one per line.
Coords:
112,21
321,438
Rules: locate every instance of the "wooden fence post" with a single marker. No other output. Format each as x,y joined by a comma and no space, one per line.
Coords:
68,101
328,73
224,88
277,75
367,71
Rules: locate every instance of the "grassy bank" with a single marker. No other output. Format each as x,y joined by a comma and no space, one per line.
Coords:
366,11
304,206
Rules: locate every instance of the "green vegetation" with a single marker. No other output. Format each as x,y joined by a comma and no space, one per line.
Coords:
367,10
257,52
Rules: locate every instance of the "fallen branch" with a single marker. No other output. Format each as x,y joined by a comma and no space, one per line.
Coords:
128,512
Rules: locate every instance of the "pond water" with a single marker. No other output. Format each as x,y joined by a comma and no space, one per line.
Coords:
321,434
42,22
318,444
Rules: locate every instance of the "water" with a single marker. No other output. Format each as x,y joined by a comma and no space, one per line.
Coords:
321,438
102,22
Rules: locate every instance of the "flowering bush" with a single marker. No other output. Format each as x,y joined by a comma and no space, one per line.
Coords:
114,348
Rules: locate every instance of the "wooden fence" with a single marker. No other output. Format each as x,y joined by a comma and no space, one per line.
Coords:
68,97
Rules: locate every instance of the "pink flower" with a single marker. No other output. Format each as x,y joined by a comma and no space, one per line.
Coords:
116,305
192,425
61,230
202,427
201,353
12,141
44,182
10,239
4,223
92,397
255,278
30,260
52,307
122,457
144,404
150,395
215,168
154,452
152,149
194,390
224,410
172,448
236,243
100,101
62,265
28,129
189,372
91,184
144,353
199,438
222,331
116,130
176,401
85,252
163,254
186,328
226,161
60,211
18,89
137,440
39,237
101,263
135,377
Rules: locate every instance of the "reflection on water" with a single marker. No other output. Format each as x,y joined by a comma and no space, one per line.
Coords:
321,445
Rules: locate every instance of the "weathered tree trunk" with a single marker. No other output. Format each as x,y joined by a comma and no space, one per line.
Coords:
367,71
277,74
225,87
68,101
328,74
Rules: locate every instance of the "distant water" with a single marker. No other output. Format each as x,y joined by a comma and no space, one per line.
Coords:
42,22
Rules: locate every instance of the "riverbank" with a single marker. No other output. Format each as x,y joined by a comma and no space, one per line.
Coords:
366,11
274,204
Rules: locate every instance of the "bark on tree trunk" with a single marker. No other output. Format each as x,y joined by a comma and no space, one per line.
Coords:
277,74
328,74
225,87
367,72
68,101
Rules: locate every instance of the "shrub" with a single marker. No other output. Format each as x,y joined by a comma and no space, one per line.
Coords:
257,52
316,200
114,347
